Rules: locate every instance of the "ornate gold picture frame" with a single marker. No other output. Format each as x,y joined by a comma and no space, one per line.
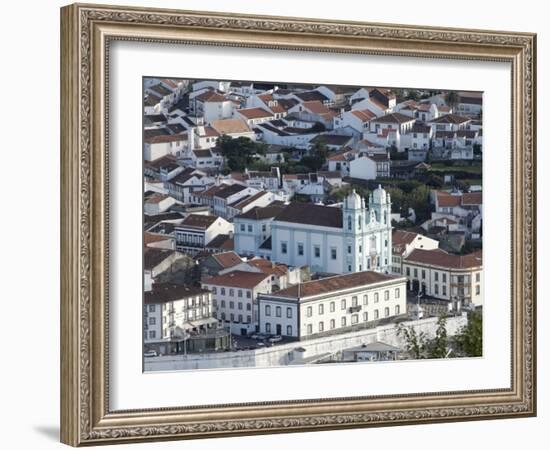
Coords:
86,34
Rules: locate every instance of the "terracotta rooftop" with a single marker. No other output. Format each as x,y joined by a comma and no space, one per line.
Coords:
230,126
441,258
149,238
210,96
268,267
238,279
255,113
400,237
333,284
472,198
316,107
227,259
363,114
444,199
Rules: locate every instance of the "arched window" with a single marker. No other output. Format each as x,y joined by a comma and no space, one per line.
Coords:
349,222
359,222
385,217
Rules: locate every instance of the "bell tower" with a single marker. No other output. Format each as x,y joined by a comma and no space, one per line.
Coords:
353,213
380,203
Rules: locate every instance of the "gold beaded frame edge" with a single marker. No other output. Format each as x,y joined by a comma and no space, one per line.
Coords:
86,31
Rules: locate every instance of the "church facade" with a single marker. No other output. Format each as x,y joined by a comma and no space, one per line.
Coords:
354,238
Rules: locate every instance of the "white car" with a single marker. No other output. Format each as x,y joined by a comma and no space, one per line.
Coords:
276,338
150,353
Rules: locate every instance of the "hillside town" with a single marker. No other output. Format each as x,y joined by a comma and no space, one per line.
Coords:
305,224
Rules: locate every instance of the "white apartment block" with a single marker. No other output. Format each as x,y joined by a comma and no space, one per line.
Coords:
457,278
171,311
332,305
234,298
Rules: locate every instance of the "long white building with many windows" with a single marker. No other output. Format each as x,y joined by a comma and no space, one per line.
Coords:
332,305
328,239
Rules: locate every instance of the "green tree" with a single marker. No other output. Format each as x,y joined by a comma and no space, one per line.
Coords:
438,345
413,94
470,338
240,153
452,99
415,343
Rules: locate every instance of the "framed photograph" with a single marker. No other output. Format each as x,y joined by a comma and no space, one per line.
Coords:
288,224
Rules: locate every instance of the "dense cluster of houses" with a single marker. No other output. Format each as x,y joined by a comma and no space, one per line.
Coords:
233,253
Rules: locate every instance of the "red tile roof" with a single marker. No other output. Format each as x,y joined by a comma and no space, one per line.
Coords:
255,113
444,199
472,198
227,259
336,283
238,279
363,114
316,107
441,258
211,96
269,267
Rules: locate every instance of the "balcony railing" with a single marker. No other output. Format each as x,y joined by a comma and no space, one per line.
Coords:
354,309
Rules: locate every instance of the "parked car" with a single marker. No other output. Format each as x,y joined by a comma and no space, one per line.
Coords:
150,353
260,344
261,336
276,338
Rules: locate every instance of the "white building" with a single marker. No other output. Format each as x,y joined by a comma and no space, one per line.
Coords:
254,116
332,305
358,119
369,166
394,121
157,204
185,184
158,146
197,230
404,242
253,229
457,278
171,311
449,122
234,297
331,239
